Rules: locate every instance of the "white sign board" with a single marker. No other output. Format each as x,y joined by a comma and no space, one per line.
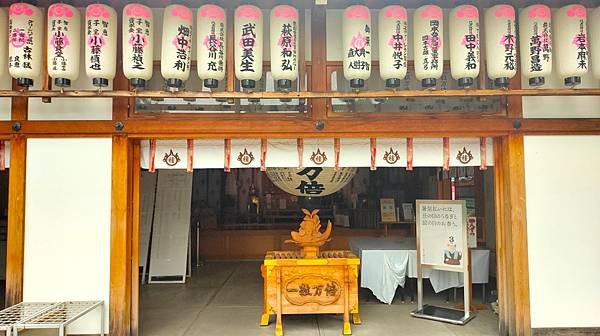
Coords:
472,232
442,234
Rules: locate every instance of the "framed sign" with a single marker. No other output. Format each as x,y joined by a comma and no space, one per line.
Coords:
388,210
442,245
408,212
472,232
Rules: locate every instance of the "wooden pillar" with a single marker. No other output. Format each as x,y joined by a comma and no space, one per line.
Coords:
120,238
318,61
16,220
511,226
135,238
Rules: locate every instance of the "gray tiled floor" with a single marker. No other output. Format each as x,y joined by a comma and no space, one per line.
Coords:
225,298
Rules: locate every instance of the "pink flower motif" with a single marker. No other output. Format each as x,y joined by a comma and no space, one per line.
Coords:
60,40
577,10
208,43
397,42
432,11
359,41
434,44
248,11
182,12
579,39
467,11
290,45
137,10
395,12
505,11
211,12
18,38
60,10
138,39
97,11
182,42
20,9
357,12
286,12
540,11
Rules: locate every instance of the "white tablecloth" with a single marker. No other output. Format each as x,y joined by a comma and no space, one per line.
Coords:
386,262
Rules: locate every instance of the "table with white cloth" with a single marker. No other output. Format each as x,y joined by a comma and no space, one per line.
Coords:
385,263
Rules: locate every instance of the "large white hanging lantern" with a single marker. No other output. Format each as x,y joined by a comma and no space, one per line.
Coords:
64,42
501,44
176,45
356,42
211,41
101,44
311,181
3,41
571,43
138,44
535,38
428,35
595,43
393,48
464,44
25,42
248,45
284,46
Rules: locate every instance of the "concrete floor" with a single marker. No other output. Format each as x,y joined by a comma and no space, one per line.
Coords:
225,298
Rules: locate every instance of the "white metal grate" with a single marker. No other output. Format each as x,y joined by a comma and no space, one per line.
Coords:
22,311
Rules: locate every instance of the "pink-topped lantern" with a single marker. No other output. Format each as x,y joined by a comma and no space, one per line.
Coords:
25,42
3,41
248,45
356,45
428,36
501,44
64,43
176,45
594,30
101,44
284,45
571,47
464,44
211,34
535,38
138,44
393,44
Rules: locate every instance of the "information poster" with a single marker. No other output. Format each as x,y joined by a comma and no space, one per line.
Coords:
442,233
388,210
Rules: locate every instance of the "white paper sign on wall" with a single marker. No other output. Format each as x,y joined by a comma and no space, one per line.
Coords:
472,232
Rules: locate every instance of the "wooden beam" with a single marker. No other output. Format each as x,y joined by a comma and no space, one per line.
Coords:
19,105
511,226
16,220
318,79
120,239
135,238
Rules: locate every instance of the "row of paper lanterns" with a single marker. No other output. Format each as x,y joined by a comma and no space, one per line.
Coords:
541,37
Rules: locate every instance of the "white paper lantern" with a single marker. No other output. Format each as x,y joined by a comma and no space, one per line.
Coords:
464,44
25,45
248,46
3,41
501,44
393,45
101,44
571,43
138,44
535,38
284,46
176,45
595,42
211,34
428,35
64,43
356,42
312,181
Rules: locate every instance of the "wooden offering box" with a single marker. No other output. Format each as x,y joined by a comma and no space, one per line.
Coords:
327,284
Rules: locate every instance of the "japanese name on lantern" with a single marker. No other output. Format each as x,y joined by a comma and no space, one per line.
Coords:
470,43
138,28
97,32
539,46
248,42
287,42
580,41
182,45
431,46
509,40
398,43
214,43
359,43
59,40
21,38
